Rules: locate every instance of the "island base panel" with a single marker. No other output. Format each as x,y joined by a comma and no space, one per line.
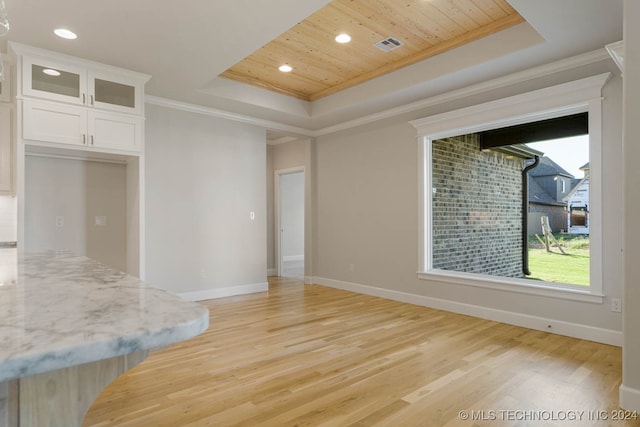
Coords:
60,398
9,403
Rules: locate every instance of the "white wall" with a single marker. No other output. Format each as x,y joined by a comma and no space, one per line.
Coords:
204,176
78,191
292,215
282,156
366,222
630,390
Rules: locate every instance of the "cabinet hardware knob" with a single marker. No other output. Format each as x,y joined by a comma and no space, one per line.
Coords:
84,98
84,139
91,98
91,139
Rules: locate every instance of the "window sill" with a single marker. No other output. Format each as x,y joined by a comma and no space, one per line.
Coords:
509,284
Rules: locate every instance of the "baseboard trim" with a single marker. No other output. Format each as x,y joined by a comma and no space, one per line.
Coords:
272,271
605,336
293,258
225,292
629,398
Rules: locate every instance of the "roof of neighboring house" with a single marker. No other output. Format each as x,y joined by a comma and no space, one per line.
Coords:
576,187
538,195
548,167
584,167
574,183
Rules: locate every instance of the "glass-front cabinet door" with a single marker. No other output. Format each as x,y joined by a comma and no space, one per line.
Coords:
105,88
110,91
53,80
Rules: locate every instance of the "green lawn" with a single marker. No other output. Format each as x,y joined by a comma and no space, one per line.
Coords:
555,267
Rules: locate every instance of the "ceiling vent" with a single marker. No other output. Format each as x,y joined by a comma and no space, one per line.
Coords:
388,44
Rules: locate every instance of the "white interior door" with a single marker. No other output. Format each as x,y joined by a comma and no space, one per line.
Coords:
290,222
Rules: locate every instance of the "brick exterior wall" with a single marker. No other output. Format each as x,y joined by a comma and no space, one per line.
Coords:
477,208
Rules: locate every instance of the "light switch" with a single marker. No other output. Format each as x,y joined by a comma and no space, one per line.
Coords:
101,221
252,215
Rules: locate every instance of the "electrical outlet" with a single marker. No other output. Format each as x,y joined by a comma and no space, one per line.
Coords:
203,273
101,220
59,221
616,305
352,268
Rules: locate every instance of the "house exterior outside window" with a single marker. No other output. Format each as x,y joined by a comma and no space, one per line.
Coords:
477,208
577,202
547,189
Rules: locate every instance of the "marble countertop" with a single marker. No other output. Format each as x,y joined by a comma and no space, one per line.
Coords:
59,310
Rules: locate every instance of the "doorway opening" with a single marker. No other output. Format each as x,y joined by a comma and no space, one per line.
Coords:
289,191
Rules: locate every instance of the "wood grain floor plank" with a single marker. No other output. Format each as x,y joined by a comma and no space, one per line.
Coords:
303,355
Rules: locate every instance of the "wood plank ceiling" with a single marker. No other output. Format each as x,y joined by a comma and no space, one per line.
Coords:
321,66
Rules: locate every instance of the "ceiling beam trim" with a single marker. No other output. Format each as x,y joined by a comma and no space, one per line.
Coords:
497,83
519,77
221,114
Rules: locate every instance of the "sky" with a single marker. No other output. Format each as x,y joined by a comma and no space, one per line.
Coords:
570,153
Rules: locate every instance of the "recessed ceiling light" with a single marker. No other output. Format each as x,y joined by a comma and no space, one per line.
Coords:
285,68
51,72
65,34
343,38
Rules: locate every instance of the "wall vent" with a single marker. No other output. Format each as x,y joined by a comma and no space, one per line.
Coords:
388,44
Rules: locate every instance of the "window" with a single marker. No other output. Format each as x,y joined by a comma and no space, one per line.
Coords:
493,209
578,216
563,100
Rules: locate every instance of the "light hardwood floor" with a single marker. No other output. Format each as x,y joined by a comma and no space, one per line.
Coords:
311,355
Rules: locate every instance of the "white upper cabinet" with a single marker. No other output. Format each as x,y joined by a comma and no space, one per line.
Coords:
68,82
72,101
45,78
116,93
5,86
7,145
6,150
47,121
116,131
52,122
4,92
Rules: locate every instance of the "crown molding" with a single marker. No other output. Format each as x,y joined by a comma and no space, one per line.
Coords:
222,114
549,102
616,50
496,83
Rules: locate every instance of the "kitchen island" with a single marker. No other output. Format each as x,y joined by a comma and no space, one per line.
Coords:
70,325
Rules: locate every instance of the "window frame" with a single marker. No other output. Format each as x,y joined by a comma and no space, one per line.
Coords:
584,95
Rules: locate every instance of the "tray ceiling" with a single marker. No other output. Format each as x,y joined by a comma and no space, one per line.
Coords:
321,66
